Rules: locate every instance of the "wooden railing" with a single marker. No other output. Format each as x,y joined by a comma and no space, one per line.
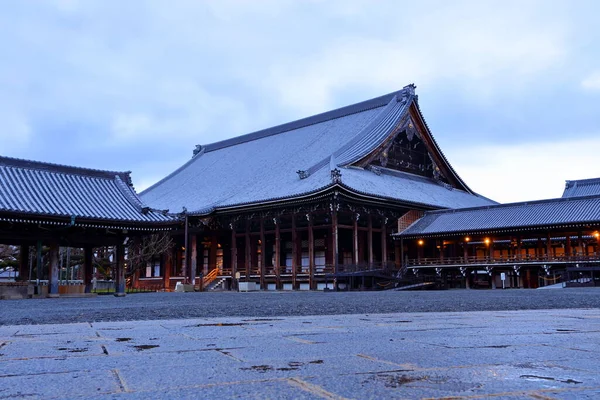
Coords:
208,278
518,259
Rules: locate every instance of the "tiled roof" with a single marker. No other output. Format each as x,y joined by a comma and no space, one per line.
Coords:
43,189
540,214
582,187
265,165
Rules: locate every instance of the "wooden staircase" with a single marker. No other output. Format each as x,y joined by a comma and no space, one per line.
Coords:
209,278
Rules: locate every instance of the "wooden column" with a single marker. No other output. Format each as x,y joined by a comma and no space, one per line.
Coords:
539,249
53,272
88,268
120,271
277,256
383,244
24,262
311,254
193,258
186,252
466,251
263,256
355,240
548,247
167,260
397,251
335,239
212,253
370,240
248,251
568,245
579,244
234,257
294,253
441,244
519,248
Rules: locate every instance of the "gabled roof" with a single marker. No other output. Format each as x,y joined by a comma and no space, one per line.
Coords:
297,159
512,216
50,190
582,187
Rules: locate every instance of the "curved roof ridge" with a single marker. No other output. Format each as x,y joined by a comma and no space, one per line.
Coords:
366,141
301,123
587,181
515,204
65,169
315,167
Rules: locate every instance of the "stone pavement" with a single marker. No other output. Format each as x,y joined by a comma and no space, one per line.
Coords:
508,354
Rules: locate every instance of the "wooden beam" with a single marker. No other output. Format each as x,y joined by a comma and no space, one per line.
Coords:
234,257
53,272
193,258
355,239
335,239
24,261
383,244
263,256
370,239
88,268
277,256
311,254
294,253
248,250
120,270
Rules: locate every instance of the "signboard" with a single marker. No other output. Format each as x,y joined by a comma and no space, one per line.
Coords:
503,276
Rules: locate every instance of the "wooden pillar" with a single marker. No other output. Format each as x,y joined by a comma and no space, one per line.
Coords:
120,270
248,250
277,256
491,249
384,238
294,253
466,251
24,262
88,268
186,252
193,258
53,272
263,256
167,260
311,254
212,253
370,240
355,239
335,239
539,249
519,248
234,257
397,251
579,244
568,245
548,247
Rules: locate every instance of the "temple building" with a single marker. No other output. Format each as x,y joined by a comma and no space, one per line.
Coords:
54,206
526,244
360,197
310,203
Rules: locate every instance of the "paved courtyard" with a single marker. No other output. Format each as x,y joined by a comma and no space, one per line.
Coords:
535,354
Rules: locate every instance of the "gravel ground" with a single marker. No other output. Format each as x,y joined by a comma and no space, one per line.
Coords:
153,306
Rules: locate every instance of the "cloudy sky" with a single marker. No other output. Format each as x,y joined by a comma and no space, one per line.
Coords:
510,89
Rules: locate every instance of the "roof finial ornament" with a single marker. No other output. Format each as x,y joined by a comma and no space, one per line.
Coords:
197,150
302,174
336,176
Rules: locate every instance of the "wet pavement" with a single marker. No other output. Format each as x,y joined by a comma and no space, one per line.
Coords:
534,354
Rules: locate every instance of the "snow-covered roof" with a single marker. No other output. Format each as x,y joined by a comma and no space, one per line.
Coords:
296,159
582,187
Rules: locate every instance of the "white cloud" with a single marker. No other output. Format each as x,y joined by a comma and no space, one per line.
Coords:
537,170
592,81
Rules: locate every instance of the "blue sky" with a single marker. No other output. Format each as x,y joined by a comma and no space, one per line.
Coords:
510,89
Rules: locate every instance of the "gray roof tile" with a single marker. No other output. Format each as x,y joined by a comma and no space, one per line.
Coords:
543,213
263,166
582,187
44,189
